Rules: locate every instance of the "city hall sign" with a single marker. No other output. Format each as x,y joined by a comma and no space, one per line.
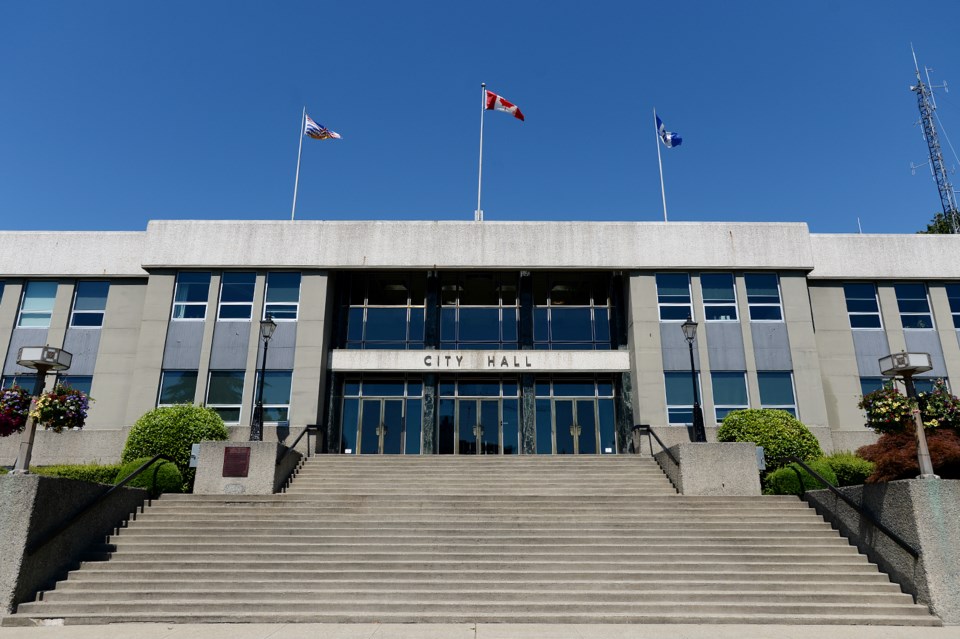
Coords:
480,361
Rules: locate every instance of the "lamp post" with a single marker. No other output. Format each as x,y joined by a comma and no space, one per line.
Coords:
690,333
907,365
267,326
43,359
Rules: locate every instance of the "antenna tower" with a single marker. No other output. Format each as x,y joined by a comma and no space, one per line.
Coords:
927,105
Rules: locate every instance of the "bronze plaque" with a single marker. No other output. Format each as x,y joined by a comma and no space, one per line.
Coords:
236,461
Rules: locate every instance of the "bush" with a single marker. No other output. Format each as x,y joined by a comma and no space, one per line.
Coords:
850,469
787,480
780,433
171,431
161,477
895,455
96,473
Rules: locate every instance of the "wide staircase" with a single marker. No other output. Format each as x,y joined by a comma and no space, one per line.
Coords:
478,539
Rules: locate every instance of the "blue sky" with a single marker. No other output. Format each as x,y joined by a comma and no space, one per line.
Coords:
115,113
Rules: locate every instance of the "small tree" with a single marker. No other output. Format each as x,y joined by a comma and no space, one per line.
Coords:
780,433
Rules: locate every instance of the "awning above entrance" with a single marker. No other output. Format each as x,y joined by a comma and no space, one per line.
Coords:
480,361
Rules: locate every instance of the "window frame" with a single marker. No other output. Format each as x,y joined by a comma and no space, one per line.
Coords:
220,406
850,314
163,376
952,290
901,313
688,304
205,304
73,306
41,313
790,408
221,304
274,406
684,407
719,304
267,304
729,408
751,304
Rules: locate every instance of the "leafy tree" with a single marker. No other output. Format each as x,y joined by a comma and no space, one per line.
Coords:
940,224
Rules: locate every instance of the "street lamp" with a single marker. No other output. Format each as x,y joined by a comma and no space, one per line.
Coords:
267,327
43,359
907,365
690,333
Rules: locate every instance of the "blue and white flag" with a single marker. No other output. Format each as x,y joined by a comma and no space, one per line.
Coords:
318,131
669,139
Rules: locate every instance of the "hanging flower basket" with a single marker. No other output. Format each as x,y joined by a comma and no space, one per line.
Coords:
890,411
62,408
14,406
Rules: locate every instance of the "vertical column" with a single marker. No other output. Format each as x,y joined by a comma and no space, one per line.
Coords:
150,344
528,404
206,345
431,381
331,437
623,389
429,429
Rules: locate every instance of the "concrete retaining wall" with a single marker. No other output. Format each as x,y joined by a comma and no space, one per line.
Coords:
90,446
264,476
712,468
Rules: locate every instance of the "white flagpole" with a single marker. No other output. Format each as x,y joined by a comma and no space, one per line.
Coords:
478,214
656,137
296,181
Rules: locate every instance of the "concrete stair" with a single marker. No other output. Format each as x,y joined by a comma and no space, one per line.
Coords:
477,539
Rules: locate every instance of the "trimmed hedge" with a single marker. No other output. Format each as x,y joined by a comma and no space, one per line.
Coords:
161,477
105,474
787,480
850,469
780,433
171,431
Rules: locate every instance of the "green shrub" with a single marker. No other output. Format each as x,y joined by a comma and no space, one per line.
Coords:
161,477
96,473
786,480
3,470
780,433
171,431
850,469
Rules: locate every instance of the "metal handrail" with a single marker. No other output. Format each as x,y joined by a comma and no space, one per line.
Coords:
306,430
37,545
650,431
857,507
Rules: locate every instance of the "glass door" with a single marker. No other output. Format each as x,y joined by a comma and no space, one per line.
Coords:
575,426
381,426
478,425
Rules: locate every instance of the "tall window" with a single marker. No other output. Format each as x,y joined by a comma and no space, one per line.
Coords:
479,310
236,296
729,393
776,391
190,296
673,296
283,296
225,394
719,298
763,296
680,396
913,305
953,296
276,395
572,312
177,387
36,305
89,304
862,307
386,311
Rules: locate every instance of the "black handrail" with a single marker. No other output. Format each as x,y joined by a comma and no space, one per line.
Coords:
37,545
857,507
306,430
649,431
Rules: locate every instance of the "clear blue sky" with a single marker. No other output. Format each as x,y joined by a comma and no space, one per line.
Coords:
115,113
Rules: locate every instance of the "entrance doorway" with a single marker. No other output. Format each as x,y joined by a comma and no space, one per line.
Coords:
381,426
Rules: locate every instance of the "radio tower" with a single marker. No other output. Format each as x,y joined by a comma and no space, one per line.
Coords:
927,106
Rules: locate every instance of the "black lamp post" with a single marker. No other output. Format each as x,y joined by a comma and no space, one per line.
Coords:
267,327
690,333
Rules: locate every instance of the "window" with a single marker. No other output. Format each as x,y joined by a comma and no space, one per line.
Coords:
82,383
89,304
36,306
177,387
729,393
276,395
719,298
478,310
763,296
26,381
953,296
571,311
283,296
190,296
870,384
926,384
914,305
386,311
225,394
236,296
1,291
680,396
862,307
673,296
776,391
575,416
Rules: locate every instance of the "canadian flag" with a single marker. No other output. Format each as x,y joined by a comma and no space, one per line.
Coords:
494,101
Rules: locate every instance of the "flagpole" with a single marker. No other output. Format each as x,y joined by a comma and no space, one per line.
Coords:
296,181
656,137
478,214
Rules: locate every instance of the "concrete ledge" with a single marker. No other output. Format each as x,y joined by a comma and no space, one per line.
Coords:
30,507
264,475
90,446
926,514
713,468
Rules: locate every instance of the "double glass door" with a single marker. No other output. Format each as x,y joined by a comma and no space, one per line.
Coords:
381,426
478,426
575,426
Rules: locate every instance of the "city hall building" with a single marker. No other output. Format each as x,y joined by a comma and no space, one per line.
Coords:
467,338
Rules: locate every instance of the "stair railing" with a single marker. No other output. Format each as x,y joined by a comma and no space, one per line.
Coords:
897,539
642,429
56,532
309,428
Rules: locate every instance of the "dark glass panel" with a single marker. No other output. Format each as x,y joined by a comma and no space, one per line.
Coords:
191,287
570,292
479,324
445,426
608,427
387,289
541,331
680,415
670,313
916,321
720,313
601,322
449,288
416,325
358,290
510,389
587,422
81,383
414,389
226,387
348,428
479,289
573,389
447,389
177,387
355,325
414,419
351,388
542,389
490,427
541,289
762,287
862,306
228,415
370,422
865,321
281,311
91,296
234,312
382,389
601,288
544,428
564,423
605,389
510,326
679,388
508,289
870,384
673,287
237,287
913,306
275,414
479,388
88,320
418,289
571,325
276,387
189,311
448,324
729,389
393,427
776,388
386,324
765,313
468,422
283,287
511,427
717,287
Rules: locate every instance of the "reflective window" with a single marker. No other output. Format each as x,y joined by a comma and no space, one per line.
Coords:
82,383
575,416
862,307
776,391
478,310
36,305
190,296
23,381
177,387
572,312
236,296
276,395
673,297
763,296
386,311
89,304
953,297
679,387
913,305
225,394
870,384
283,296
927,384
381,417
729,393
719,298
